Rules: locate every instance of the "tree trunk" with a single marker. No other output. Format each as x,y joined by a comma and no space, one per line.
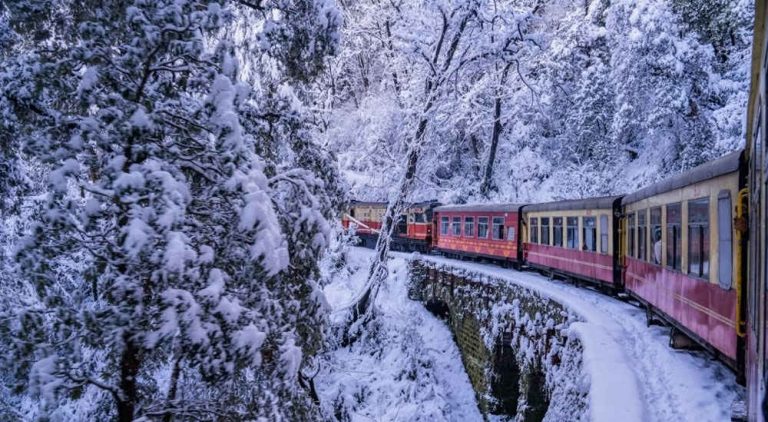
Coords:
485,186
487,183
129,368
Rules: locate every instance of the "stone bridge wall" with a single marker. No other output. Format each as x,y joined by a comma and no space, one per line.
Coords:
514,342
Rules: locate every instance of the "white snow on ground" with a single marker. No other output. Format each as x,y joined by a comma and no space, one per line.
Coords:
634,374
406,368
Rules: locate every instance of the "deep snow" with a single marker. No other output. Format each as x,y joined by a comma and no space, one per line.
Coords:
409,368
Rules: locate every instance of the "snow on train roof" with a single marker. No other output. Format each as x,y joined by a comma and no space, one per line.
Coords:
729,163
603,202
480,207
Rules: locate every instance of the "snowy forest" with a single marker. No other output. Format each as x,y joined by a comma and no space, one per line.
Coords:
172,172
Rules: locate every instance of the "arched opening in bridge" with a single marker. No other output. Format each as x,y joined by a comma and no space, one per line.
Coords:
439,309
505,380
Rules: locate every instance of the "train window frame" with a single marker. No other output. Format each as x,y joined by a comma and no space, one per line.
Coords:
674,244
485,224
642,234
604,234
557,231
572,232
701,231
497,221
725,240
533,234
469,226
445,224
631,233
592,230
656,237
456,224
545,240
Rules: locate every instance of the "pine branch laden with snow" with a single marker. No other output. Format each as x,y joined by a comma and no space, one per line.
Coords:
184,247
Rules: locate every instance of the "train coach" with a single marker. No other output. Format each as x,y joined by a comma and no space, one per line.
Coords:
413,230
488,231
682,254
577,239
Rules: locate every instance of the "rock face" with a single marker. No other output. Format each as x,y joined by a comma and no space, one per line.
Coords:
515,343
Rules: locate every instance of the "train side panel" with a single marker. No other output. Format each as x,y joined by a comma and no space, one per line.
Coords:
471,233
681,259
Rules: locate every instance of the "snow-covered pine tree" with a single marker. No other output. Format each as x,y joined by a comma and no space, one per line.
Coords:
174,266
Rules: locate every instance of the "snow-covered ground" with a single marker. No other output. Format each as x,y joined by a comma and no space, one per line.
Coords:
410,369
406,368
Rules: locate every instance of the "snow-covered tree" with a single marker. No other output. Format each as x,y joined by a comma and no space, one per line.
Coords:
172,269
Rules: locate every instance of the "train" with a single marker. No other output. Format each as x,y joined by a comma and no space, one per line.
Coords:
690,249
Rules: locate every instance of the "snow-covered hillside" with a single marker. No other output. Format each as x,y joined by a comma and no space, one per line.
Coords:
540,100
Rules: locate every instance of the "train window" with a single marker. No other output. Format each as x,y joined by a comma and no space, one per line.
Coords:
420,217
557,236
674,237
642,235
469,226
572,232
498,228
482,227
589,234
603,234
631,235
656,251
444,225
698,238
457,226
545,230
534,235
511,233
725,240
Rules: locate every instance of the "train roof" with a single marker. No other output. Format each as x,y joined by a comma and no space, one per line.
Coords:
603,202
480,208
383,204
726,164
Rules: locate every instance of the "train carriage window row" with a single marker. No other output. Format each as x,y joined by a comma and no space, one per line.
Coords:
565,231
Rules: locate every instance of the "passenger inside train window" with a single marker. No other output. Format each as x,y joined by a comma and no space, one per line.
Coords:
656,232
498,228
589,234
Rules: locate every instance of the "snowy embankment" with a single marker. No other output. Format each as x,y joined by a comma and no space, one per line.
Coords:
632,372
405,368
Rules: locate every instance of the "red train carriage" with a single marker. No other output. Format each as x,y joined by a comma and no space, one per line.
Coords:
365,218
756,302
414,228
413,231
488,231
576,239
681,260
